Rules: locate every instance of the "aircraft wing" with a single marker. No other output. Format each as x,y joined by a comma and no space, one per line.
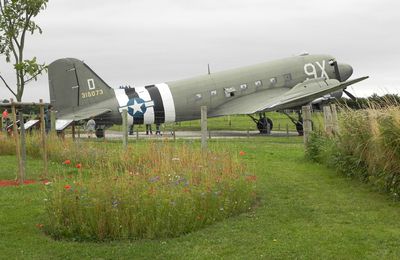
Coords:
84,113
265,101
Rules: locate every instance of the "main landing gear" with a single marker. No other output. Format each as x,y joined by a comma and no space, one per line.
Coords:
297,122
264,124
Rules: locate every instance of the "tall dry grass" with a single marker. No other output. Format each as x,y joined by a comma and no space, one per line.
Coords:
367,147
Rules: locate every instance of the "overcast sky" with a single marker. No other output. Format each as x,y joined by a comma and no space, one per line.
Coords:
150,41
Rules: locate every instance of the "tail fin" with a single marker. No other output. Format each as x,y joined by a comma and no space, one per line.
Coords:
74,85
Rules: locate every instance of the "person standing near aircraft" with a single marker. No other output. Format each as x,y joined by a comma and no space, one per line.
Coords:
90,127
148,129
158,129
5,118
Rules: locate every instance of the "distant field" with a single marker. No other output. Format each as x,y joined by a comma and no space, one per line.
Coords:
306,211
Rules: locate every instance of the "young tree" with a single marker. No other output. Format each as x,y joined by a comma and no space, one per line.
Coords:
15,22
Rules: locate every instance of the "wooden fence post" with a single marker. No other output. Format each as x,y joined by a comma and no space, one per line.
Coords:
73,130
17,142
125,128
328,120
335,121
307,124
23,146
203,127
43,137
53,121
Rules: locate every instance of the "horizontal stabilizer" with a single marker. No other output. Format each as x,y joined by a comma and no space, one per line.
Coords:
66,120
85,113
62,124
30,123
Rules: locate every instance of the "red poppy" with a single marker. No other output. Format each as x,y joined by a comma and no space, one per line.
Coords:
67,162
241,153
67,187
79,166
39,225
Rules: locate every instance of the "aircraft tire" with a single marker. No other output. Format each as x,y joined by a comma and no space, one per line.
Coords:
262,125
100,133
300,130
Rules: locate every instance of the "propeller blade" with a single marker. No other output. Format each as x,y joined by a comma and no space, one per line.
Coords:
350,95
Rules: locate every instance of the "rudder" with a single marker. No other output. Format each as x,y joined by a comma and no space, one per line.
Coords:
74,85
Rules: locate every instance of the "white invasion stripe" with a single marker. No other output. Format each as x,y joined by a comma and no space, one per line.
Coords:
168,102
123,99
145,95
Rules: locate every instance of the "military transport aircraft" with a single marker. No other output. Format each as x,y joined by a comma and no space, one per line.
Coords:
78,93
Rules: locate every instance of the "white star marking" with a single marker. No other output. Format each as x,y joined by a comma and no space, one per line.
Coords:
136,107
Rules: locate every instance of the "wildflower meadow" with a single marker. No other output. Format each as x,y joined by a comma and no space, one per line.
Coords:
153,190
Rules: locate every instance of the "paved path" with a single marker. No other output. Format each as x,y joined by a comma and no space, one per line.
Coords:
220,134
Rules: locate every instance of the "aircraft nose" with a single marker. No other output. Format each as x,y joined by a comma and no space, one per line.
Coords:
345,71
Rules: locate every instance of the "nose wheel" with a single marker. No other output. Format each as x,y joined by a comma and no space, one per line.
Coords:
264,124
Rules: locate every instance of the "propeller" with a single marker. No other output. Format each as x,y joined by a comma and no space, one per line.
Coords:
350,95
335,65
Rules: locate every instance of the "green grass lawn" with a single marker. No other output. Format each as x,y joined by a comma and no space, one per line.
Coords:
306,211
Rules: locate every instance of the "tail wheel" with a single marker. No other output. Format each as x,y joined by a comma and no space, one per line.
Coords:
100,133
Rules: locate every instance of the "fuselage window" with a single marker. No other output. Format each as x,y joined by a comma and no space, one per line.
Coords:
230,92
273,81
213,92
198,96
243,86
258,83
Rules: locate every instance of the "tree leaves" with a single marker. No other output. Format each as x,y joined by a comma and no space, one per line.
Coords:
15,21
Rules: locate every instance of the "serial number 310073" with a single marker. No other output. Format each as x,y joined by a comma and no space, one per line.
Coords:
92,93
